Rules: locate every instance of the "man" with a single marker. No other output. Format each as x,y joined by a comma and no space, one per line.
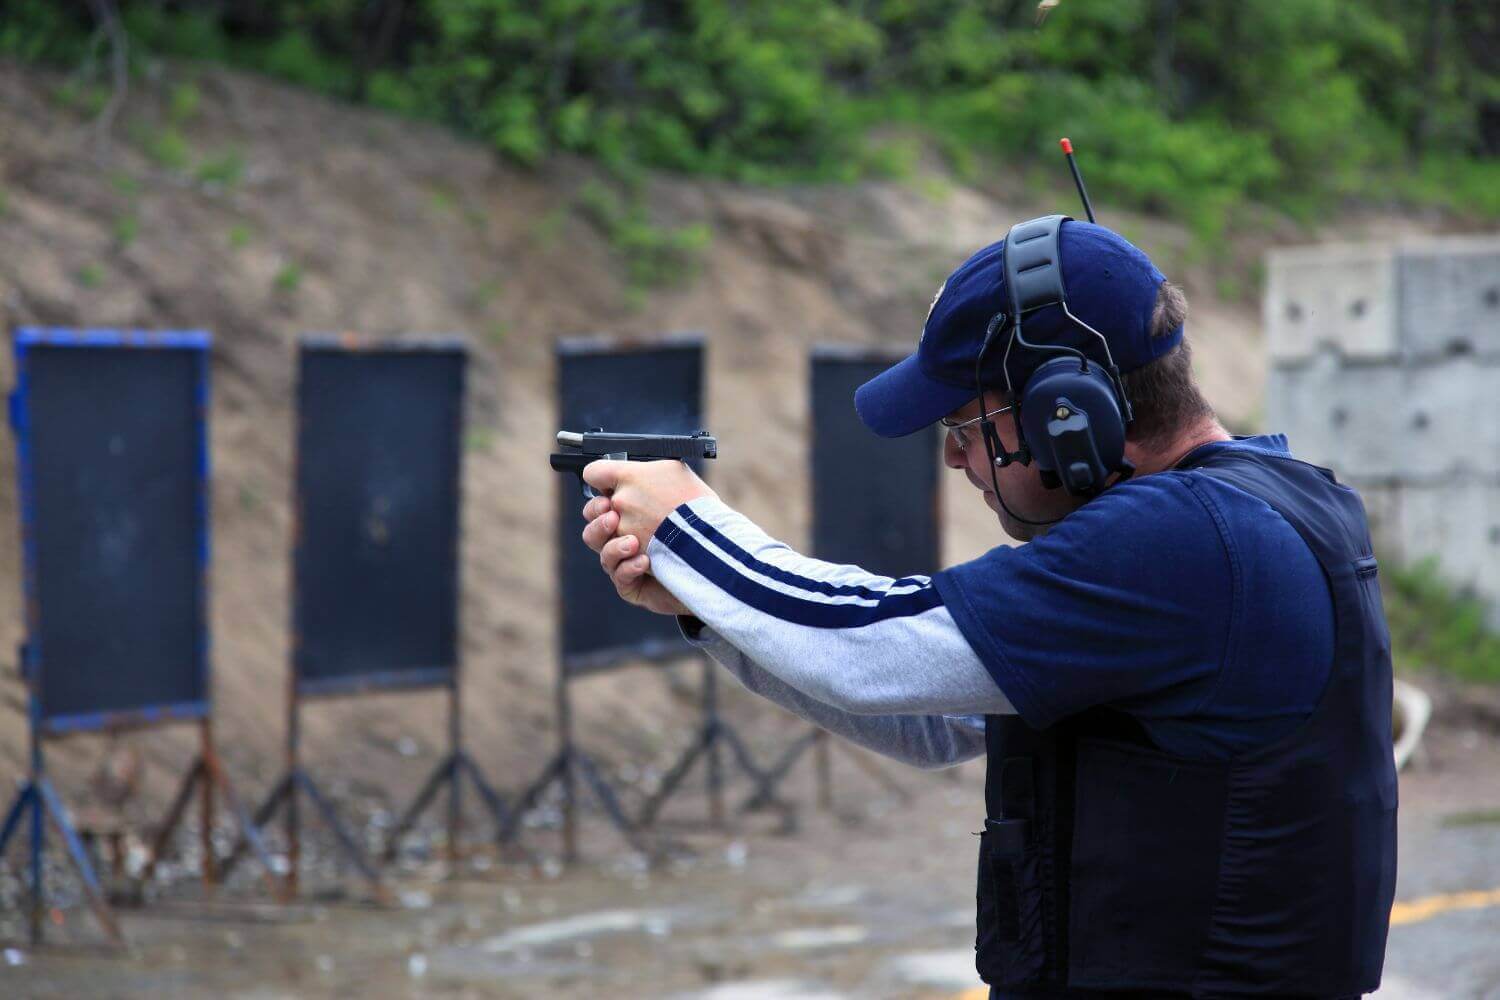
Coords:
1181,682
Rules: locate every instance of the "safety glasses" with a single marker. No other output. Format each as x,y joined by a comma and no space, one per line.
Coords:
966,433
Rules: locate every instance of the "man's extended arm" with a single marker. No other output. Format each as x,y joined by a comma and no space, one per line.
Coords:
878,659
927,741
847,643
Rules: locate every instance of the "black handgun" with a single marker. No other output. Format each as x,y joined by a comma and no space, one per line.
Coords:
577,450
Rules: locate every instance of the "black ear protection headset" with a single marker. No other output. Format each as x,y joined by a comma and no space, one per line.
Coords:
1072,412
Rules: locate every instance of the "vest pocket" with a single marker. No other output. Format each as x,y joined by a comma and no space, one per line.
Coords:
1147,843
1010,947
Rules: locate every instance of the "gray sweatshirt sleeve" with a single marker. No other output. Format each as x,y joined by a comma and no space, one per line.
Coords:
926,741
829,640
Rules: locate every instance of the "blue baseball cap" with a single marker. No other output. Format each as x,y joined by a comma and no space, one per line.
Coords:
1111,285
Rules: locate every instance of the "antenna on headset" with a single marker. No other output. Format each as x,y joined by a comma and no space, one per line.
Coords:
1067,148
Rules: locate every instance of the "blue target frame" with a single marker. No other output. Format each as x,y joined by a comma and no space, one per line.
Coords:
56,370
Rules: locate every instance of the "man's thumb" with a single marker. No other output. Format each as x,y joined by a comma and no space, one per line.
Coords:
605,474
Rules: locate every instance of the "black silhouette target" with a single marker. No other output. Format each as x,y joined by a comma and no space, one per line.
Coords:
654,389
875,500
379,448
113,465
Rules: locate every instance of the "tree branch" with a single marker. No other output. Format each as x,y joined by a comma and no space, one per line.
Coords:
107,17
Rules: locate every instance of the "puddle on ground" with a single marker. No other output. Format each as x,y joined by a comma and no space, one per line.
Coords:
948,968
656,922
765,989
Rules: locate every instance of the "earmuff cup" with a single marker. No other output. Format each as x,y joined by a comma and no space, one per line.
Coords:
1073,426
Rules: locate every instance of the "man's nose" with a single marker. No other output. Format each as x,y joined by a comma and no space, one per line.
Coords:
953,455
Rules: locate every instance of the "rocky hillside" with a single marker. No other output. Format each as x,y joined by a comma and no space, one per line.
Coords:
329,217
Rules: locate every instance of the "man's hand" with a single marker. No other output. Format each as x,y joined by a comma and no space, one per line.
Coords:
622,524
644,493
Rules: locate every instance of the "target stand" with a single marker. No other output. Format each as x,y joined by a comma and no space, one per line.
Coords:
449,774
113,475
875,505
567,768
37,804
375,588
597,631
713,731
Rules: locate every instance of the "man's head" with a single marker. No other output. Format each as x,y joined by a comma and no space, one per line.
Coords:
1170,415
1112,287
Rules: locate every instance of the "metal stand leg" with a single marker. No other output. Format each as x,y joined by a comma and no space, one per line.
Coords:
249,829
823,762
450,771
822,745
565,768
206,811
48,800
713,730
765,786
207,774
263,812
37,801
285,796
331,820
289,788
22,806
168,825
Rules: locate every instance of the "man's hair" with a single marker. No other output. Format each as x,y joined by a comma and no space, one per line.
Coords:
1163,394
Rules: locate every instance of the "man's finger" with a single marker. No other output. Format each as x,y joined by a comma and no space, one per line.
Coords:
629,571
604,475
617,550
595,507
600,530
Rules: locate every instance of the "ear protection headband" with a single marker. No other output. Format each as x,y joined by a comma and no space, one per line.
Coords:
1071,413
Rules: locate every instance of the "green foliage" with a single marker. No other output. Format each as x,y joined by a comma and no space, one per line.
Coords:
487,292
239,236
297,57
654,256
1187,109
82,98
166,147
1432,625
4,202
126,229
90,276
182,103
39,31
479,439
223,170
288,278
127,185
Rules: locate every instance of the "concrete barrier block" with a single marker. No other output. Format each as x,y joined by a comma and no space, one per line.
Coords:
1342,297
1418,423
1450,420
1459,524
1345,418
1449,295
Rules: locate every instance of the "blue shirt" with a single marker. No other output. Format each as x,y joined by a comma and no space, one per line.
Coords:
1181,600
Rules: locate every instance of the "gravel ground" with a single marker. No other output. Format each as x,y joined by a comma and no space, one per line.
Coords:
871,899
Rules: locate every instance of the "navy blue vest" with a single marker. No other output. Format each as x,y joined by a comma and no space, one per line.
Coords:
1106,864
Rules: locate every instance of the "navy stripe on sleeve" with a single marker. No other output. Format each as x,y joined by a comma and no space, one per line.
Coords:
797,610
786,576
